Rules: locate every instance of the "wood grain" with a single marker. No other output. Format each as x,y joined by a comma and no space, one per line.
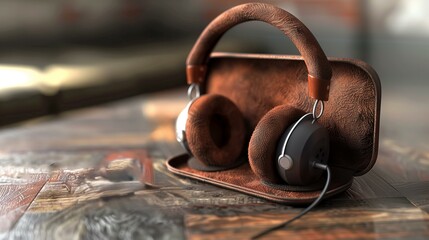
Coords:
401,163
14,201
416,192
355,223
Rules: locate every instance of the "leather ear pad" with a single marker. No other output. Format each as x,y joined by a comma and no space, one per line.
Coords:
264,141
215,130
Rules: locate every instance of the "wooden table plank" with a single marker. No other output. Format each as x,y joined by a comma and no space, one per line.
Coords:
416,192
14,201
398,163
342,223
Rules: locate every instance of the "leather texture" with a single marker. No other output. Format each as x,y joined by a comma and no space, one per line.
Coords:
215,130
319,69
263,95
257,84
243,180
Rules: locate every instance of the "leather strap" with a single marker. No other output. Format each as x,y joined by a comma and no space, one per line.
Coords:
318,66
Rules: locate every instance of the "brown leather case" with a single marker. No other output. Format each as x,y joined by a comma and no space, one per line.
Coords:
257,83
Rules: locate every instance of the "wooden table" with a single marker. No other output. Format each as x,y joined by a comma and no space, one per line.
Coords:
54,185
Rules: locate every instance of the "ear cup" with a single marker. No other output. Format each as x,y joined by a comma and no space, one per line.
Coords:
264,140
215,131
308,143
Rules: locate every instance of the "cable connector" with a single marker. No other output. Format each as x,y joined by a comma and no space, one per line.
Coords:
320,166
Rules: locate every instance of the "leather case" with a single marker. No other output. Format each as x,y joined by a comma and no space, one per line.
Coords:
257,83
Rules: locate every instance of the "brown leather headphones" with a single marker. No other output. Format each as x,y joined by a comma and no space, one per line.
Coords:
287,144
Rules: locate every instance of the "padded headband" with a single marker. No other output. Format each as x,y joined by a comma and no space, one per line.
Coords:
318,66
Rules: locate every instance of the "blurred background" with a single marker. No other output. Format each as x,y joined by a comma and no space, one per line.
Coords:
61,55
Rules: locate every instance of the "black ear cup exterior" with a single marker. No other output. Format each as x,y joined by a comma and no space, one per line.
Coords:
301,146
215,132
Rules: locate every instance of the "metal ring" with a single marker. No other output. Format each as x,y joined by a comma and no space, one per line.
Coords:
322,107
193,91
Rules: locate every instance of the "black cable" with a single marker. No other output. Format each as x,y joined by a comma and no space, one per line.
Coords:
284,224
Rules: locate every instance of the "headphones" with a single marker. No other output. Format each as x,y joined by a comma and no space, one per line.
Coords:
287,145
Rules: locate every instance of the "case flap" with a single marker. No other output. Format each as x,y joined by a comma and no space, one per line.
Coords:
257,83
